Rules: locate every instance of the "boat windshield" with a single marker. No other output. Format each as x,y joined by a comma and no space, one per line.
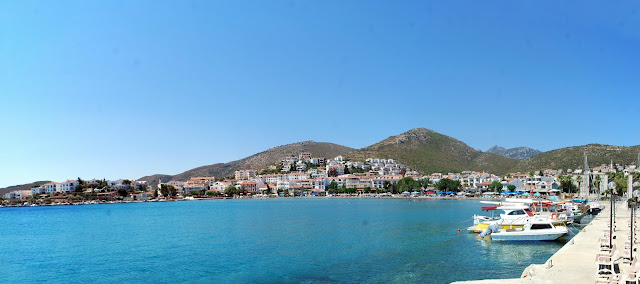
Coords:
540,226
517,212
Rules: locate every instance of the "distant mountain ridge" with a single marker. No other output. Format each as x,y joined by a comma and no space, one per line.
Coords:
518,153
428,151
420,149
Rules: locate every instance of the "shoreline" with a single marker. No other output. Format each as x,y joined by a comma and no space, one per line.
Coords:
95,202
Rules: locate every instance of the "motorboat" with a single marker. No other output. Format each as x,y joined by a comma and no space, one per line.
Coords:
595,207
514,216
535,229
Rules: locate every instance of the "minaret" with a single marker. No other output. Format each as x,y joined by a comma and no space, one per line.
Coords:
586,165
584,187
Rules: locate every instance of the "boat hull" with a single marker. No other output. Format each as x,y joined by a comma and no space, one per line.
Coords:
483,226
530,235
524,237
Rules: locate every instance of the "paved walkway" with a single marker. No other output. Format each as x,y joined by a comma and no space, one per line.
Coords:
575,261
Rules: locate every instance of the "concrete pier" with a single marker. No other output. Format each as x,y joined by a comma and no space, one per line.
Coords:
575,261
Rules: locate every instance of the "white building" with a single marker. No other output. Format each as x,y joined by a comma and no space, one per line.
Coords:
50,188
245,174
67,186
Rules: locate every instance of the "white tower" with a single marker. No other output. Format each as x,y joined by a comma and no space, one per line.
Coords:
584,186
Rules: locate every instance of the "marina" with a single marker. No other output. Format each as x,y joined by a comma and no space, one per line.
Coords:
578,261
259,240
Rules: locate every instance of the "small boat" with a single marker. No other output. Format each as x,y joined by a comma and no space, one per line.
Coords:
514,216
595,207
536,229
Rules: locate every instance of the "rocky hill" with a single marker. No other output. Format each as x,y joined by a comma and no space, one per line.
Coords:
427,151
518,153
257,161
421,149
21,187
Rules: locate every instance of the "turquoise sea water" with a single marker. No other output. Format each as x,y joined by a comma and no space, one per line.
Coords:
257,241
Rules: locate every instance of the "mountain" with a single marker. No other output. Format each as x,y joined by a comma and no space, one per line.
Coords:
427,151
21,187
154,180
257,161
573,157
519,153
421,149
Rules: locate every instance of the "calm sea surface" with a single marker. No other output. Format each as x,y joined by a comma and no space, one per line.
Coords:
257,241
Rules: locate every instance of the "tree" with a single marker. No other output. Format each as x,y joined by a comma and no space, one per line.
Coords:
448,184
511,187
386,185
122,192
597,181
167,190
496,186
232,190
567,185
408,184
425,182
333,185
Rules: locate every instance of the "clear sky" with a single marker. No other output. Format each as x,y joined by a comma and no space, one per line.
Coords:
123,89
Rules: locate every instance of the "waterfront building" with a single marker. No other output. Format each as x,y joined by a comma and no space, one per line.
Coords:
38,190
219,186
50,188
296,176
67,186
274,178
245,174
250,186
379,181
18,194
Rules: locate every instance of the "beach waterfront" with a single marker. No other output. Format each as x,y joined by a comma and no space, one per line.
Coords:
269,240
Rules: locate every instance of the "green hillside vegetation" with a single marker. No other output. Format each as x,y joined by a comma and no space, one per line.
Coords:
420,149
573,157
427,152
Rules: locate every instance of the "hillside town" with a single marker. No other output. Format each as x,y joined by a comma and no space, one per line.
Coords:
303,175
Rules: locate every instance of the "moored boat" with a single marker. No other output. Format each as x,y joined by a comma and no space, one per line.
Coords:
536,229
514,216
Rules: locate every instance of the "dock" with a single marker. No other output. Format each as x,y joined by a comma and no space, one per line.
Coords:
575,261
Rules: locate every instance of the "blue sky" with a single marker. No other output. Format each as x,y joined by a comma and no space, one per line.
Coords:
123,89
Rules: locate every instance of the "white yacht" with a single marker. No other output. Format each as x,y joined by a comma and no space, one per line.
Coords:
535,229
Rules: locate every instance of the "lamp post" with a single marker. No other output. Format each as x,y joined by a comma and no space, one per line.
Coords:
634,193
612,187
